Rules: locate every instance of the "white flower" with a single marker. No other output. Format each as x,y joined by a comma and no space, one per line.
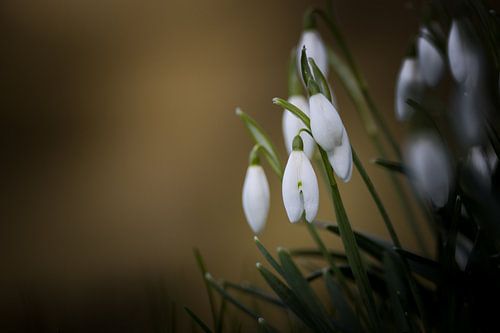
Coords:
478,162
341,159
430,59
256,197
410,85
427,161
463,56
292,125
315,49
300,187
326,125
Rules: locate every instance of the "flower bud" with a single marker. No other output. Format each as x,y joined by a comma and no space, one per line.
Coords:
312,41
256,197
326,125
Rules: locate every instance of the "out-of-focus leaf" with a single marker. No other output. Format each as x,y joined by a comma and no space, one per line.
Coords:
203,269
254,291
260,137
268,256
316,253
424,267
390,165
288,297
348,321
197,320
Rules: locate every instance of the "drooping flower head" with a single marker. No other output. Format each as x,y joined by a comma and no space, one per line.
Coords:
410,85
429,166
300,186
256,196
431,61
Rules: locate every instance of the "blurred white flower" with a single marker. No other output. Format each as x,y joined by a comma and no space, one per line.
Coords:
300,186
427,160
410,85
256,198
292,125
463,55
315,48
341,158
467,115
430,60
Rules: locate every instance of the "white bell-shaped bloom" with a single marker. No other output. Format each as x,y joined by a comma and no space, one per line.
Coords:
428,163
315,48
410,85
430,60
326,125
300,187
292,125
256,198
341,158
463,55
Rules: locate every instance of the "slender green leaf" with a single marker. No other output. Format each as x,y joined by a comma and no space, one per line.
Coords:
254,291
262,139
203,269
301,287
197,320
424,267
268,256
390,165
320,78
288,297
345,314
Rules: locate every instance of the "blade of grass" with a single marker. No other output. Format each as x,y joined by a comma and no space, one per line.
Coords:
203,269
268,256
197,320
390,165
261,294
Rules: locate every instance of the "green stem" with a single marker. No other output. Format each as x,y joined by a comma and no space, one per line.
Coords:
376,199
203,269
351,248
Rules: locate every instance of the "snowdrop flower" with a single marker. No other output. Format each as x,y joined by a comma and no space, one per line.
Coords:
430,59
429,167
292,125
300,186
326,125
256,195
463,56
410,85
316,49
478,162
341,158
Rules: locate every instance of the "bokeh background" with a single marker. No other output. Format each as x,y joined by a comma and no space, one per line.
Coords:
121,150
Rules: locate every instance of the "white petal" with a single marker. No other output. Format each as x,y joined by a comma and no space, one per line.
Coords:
326,125
409,86
292,125
256,198
292,198
310,190
457,51
430,60
315,48
430,170
341,159
479,164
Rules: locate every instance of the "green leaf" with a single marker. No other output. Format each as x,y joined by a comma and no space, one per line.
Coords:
293,109
424,267
345,314
317,253
304,67
371,246
303,290
397,291
390,165
268,256
261,138
197,320
254,291
203,269
287,296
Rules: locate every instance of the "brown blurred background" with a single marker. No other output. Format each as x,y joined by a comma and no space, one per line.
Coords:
121,151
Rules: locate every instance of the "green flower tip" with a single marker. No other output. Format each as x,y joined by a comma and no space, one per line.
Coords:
298,144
